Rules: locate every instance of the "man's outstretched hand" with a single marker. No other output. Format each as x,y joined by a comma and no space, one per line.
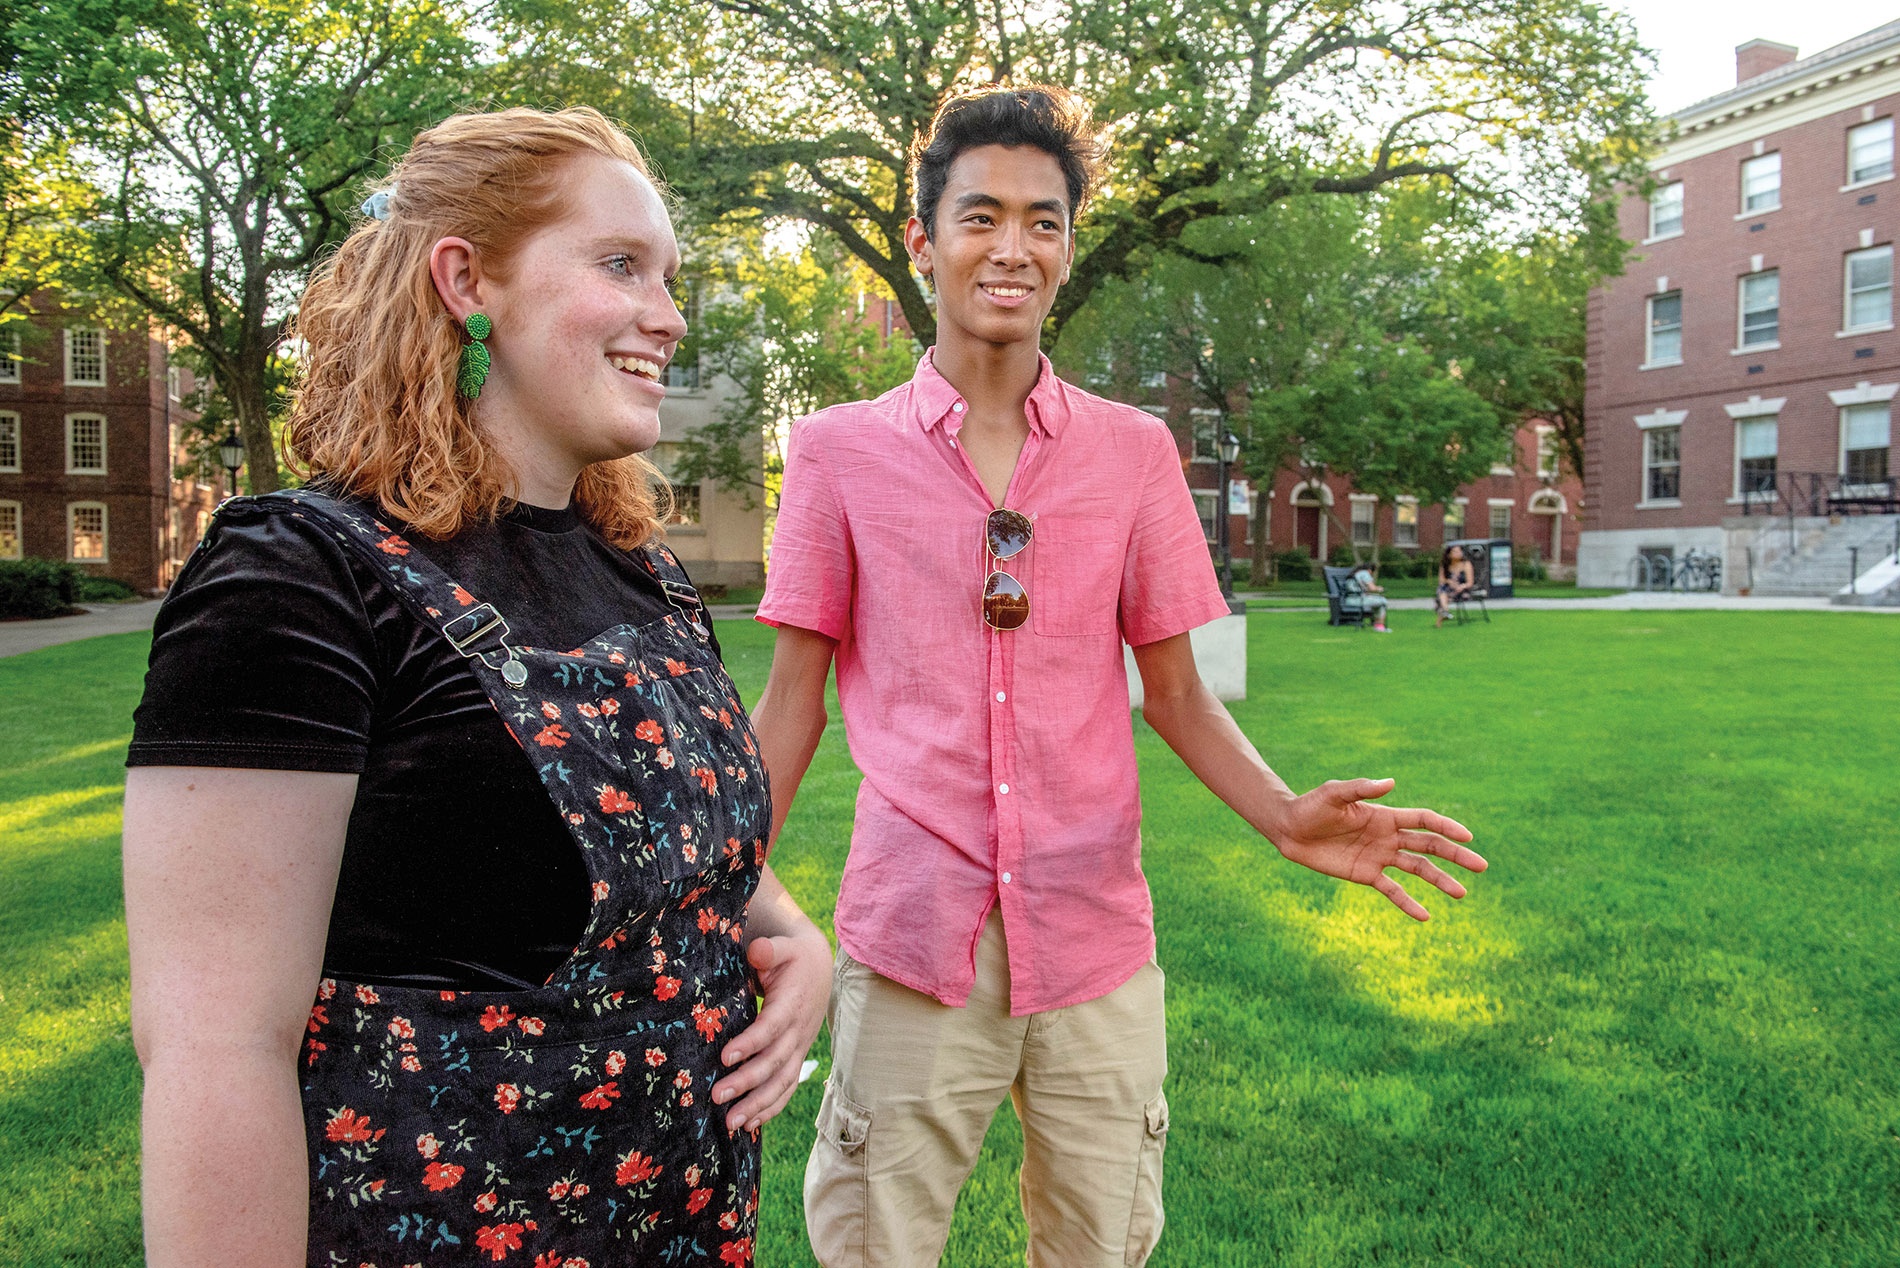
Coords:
1336,829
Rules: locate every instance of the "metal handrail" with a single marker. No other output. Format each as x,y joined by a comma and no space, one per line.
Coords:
1814,493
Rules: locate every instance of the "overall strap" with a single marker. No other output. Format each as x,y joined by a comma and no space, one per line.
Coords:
475,629
680,591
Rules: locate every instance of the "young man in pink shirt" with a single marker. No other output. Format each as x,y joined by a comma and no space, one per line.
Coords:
972,549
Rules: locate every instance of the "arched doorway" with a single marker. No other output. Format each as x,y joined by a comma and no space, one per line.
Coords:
1310,501
1549,502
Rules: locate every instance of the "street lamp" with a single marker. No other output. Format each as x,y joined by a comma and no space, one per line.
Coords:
1229,451
231,454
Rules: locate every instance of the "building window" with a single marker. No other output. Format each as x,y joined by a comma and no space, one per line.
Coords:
1206,502
1756,441
1761,183
1501,521
686,505
1206,425
86,357
1761,309
86,531
1662,464
1665,329
1870,151
1665,211
1405,524
1869,289
9,442
9,356
1364,522
9,530
1866,433
172,385
1454,520
85,444
1547,451
1154,378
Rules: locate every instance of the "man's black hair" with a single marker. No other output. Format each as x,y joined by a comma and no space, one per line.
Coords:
1040,116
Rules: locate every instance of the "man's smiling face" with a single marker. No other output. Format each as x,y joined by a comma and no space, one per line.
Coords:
1002,244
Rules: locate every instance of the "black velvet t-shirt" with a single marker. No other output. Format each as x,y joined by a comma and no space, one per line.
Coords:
280,649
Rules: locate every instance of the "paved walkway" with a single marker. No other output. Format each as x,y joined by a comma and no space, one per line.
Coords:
124,618
103,618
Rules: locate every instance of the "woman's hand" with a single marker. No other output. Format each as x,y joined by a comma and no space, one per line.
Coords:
793,960
1335,829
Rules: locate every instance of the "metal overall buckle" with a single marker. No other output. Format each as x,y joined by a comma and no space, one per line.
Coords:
476,624
688,603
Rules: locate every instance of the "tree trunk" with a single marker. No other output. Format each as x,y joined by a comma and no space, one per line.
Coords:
260,447
1263,534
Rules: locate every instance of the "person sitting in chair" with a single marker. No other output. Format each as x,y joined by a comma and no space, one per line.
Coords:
1371,597
1454,581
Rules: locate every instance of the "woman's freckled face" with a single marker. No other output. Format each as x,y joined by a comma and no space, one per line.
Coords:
584,325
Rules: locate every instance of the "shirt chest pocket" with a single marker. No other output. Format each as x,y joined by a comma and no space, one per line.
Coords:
1077,583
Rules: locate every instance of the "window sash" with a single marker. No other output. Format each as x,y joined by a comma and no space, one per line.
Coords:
1206,430
9,442
10,357
86,532
1500,521
9,530
1363,522
1866,427
1761,308
85,356
1761,183
1454,519
1405,524
1662,463
85,444
1870,288
1665,211
1870,151
1867,466
1665,328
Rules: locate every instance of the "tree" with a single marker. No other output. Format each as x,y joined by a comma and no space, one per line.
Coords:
232,139
789,329
1213,110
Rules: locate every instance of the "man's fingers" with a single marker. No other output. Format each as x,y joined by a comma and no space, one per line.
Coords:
1349,790
765,1101
1400,899
1432,821
1430,873
1450,851
763,953
765,1030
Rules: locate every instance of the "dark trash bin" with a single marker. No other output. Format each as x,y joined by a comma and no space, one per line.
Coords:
1490,564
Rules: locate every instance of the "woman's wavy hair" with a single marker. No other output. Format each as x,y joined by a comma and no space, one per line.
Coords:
378,415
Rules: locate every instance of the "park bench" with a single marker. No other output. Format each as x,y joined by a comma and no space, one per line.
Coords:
1345,601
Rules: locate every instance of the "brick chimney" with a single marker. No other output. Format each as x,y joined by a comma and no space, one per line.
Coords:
1758,57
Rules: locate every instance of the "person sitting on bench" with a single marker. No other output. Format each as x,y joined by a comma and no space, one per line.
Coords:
1371,597
1454,581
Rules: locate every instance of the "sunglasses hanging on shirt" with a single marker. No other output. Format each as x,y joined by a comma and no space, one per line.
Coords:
1005,602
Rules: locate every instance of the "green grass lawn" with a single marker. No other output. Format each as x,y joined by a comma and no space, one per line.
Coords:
1664,1030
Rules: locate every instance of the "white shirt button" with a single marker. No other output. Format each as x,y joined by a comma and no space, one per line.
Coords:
957,408
1000,697
1005,878
1003,788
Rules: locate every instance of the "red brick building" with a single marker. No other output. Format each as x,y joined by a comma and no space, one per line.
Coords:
1748,355
89,441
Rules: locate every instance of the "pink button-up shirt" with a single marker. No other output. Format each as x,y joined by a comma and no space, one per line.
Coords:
999,768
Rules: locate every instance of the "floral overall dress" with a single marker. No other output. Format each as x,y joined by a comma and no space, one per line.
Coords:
569,1126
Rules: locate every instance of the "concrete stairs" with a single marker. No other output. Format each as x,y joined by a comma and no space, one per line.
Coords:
1823,559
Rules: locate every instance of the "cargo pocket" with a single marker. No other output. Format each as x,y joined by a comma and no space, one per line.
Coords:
1144,1223
837,1181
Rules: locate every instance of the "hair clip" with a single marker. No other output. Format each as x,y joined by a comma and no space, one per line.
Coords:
376,206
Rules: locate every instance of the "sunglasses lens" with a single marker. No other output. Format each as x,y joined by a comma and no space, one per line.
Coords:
1005,602
1009,532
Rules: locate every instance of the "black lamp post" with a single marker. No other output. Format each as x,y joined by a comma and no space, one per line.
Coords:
1229,451
231,454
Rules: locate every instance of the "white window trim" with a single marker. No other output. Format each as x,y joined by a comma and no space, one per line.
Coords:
1847,292
1662,418
1663,504
1500,501
1363,497
1741,315
104,466
68,342
1503,469
18,441
1842,447
105,532
1893,139
12,368
1735,497
1195,418
19,530
1864,393
1650,207
1649,332
1306,486
1554,503
1750,215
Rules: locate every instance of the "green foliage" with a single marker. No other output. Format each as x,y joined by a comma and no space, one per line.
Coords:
1293,565
788,330
38,588
1211,111
233,139
93,589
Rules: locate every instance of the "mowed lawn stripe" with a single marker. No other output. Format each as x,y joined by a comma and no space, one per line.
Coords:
1664,1029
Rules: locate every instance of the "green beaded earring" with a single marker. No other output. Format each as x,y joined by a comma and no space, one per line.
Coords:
472,371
